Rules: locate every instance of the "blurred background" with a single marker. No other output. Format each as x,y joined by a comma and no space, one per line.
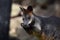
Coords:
44,8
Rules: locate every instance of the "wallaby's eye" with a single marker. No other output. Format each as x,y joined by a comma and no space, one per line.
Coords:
23,18
28,17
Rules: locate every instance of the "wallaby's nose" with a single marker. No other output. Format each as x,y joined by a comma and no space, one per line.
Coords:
22,24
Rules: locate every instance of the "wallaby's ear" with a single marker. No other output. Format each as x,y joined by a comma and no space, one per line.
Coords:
30,8
22,9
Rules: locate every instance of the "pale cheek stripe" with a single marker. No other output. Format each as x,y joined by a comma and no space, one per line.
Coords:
30,21
38,26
